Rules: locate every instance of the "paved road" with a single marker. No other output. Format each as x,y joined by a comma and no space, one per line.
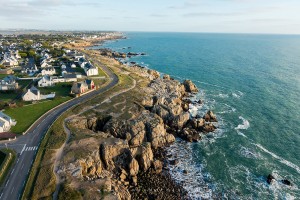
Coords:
28,144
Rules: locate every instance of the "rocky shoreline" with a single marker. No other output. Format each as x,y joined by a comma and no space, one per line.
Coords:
130,162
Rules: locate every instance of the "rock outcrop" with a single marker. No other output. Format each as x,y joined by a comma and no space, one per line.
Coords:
190,86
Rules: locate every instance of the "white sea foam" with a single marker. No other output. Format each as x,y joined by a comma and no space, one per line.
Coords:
194,181
243,126
249,153
282,160
237,94
223,96
193,110
227,109
241,134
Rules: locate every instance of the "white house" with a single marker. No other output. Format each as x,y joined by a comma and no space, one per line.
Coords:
45,64
48,71
90,70
6,122
73,66
32,94
45,81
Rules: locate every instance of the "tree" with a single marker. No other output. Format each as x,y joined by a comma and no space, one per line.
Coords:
23,54
31,53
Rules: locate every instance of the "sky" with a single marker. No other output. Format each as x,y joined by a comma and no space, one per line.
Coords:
221,16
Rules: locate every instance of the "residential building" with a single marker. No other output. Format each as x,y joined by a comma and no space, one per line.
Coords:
32,94
45,81
90,83
79,87
8,83
6,122
90,70
48,71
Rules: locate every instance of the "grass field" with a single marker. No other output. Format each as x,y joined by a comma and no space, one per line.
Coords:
3,75
5,159
27,115
60,89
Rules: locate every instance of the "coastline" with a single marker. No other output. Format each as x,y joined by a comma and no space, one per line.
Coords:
130,132
165,176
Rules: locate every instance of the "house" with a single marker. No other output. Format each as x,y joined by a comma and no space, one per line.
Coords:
73,66
6,122
10,59
45,64
90,70
8,83
90,83
32,94
45,81
79,87
48,71
29,69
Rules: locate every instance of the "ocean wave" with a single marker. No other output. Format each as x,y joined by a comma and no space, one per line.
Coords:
241,134
227,109
244,126
237,94
223,96
248,153
282,160
188,172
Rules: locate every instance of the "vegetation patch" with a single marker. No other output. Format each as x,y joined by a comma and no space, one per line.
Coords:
7,158
27,115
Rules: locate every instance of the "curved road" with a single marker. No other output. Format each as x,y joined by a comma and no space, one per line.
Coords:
26,146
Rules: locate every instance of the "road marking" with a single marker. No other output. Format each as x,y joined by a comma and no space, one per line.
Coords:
12,190
18,159
1,195
23,149
38,125
7,183
22,166
13,170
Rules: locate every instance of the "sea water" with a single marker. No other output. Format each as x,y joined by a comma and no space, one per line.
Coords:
252,83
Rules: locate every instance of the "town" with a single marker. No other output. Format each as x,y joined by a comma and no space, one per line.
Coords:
41,71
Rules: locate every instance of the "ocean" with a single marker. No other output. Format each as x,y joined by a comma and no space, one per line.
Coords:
252,83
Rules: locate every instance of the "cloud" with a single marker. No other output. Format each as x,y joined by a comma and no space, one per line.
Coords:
211,14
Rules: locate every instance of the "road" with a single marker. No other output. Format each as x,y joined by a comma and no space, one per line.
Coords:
28,144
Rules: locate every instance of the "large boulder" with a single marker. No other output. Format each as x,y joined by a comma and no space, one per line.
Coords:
153,74
180,120
138,133
145,159
190,86
190,135
133,167
210,117
115,154
157,166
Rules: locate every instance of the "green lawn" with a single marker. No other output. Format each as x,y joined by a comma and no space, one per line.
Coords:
27,115
60,89
3,75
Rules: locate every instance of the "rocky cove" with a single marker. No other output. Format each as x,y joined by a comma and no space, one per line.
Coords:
125,158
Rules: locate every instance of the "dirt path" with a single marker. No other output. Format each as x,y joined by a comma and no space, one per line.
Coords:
58,156
59,152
